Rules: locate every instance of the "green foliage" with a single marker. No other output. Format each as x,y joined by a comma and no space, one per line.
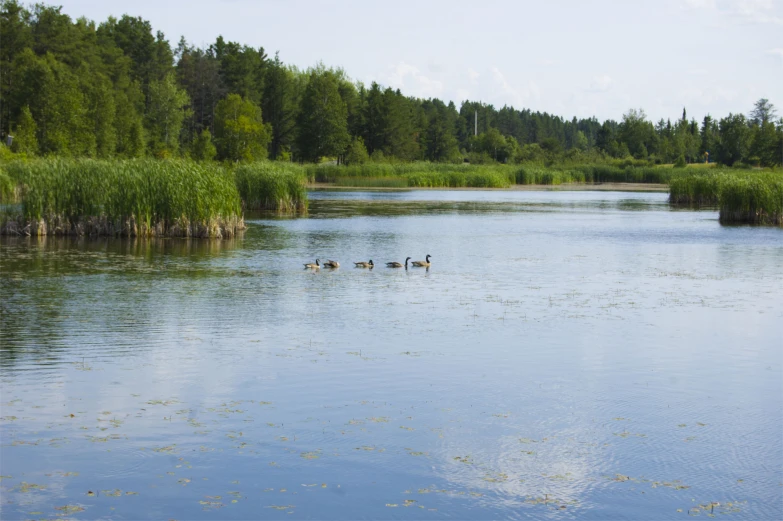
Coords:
240,133
680,163
754,199
743,196
129,198
25,140
735,139
7,186
323,119
267,185
202,148
419,174
357,153
165,115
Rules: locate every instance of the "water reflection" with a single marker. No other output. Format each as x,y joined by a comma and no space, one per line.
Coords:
600,357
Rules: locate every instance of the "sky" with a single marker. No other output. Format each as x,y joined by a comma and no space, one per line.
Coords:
566,57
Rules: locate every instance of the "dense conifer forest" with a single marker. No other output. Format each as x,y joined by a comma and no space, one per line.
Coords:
119,89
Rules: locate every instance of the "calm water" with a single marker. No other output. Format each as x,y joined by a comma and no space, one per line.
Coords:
568,355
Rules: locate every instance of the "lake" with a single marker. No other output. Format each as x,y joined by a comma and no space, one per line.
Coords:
590,355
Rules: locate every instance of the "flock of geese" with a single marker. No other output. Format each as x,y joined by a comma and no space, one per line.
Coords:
369,265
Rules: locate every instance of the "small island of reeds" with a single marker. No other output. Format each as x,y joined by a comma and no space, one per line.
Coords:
143,197
743,196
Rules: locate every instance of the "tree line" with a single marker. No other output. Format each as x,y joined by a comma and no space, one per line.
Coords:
118,89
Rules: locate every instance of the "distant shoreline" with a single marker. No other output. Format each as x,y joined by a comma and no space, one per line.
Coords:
567,187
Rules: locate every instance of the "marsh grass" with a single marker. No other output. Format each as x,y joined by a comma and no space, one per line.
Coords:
424,174
754,199
124,198
743,196
268,185
372,182
7,188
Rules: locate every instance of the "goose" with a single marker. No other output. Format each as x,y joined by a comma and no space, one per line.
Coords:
364,264
331,264
315,266
422,264
397,264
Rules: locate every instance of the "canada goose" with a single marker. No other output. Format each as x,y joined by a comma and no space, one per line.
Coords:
364,264
315,266
331,264
422,264
397,264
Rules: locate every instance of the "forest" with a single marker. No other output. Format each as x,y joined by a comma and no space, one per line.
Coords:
119,90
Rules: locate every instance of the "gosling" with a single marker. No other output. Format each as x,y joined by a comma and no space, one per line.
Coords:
364,264
331,264
422,264
316,266
397,264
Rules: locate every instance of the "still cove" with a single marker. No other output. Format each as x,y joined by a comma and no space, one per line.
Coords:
590,355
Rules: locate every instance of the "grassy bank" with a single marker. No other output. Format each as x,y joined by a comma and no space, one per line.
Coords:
124,198
433,175
754,197
272,186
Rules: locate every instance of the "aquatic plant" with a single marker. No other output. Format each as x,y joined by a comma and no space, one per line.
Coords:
752,199
268,185
140,197
743,196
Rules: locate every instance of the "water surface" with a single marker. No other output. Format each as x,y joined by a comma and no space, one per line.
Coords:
568,355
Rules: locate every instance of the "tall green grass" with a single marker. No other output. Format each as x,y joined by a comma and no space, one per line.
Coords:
495,176
268,185
418,174
127,198
752,199
743,196
7,187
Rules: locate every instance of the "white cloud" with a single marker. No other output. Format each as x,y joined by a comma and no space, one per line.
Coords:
473,75
601,83
743,11
518,97
698,72
462,95
699,4
407,77
777,52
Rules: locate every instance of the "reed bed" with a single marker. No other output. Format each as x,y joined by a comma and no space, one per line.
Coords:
742,196
695,189
372,182
268,185
130,198
486,176
752,199
539,174
461,179
7,188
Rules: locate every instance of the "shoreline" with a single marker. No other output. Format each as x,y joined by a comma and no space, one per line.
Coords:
568,187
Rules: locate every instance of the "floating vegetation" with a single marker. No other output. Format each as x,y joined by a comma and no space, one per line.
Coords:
464,459
70,509
25,487
311,455
716,507
271,185
140,197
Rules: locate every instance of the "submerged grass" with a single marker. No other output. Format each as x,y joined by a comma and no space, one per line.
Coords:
127,198
271,185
